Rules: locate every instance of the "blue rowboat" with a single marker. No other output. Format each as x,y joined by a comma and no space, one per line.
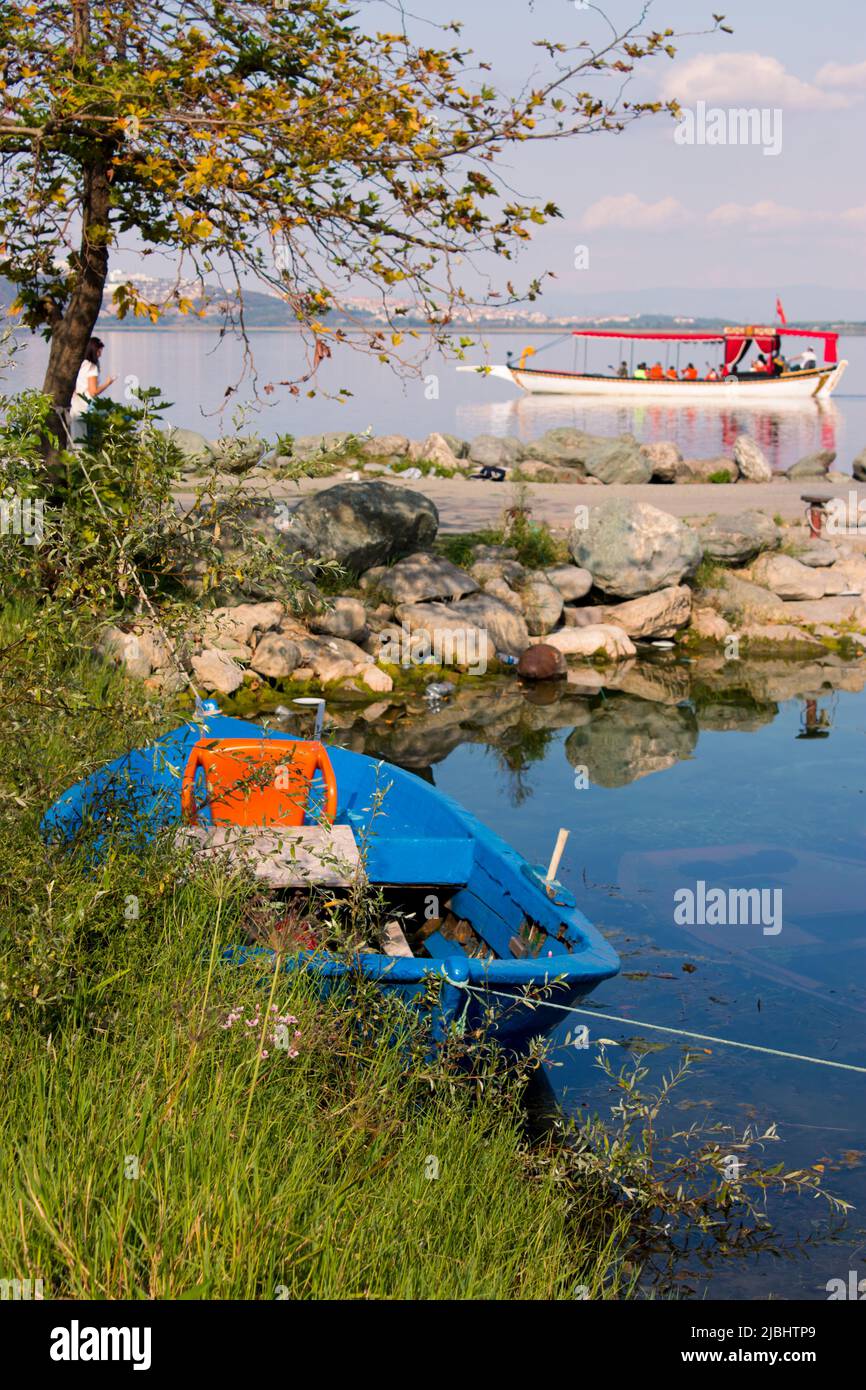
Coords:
528,939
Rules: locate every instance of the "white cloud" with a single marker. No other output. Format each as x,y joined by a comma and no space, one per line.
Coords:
630,211
744,79
765,214
842,75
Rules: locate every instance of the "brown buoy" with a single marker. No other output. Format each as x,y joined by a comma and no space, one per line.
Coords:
541,662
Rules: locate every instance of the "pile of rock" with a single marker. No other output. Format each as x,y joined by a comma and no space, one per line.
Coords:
631,578
562,455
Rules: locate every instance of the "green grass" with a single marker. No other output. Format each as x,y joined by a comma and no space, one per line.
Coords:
149,1151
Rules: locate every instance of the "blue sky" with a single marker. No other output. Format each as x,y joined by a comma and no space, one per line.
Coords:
653,212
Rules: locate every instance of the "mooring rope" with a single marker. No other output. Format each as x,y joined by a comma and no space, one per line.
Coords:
676,1032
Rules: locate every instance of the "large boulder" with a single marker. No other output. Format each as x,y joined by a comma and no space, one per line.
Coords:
440,634
436,449
561,446
631,548
654,615
275,656
607,639
504,624
542,603
232,629
735,540
215,670
858,467
664,457
495,451
815,465
617,460
363,524
571,581
751,460
194,447
423,576
705,470
785,576
345,617
381,446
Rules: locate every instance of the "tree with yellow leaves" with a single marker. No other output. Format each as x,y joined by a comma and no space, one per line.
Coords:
277,142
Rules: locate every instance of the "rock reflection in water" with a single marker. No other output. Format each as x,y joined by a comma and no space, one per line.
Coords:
622,723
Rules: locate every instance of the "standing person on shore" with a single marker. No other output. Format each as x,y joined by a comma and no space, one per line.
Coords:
87,388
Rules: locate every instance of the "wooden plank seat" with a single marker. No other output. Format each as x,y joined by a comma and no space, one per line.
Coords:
282,856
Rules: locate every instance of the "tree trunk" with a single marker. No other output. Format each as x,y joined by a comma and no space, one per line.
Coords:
72,333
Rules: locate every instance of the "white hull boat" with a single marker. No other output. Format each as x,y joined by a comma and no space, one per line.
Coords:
818,384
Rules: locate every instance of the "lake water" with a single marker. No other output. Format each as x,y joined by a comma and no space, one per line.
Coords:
709,780
194,371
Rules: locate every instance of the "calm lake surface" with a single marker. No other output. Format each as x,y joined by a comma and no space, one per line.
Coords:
194,371
721,787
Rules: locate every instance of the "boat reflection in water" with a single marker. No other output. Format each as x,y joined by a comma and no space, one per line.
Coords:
785,433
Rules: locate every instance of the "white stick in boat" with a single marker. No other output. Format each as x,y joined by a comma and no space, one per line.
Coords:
558,850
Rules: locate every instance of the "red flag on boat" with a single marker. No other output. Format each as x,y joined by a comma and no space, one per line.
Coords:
780,311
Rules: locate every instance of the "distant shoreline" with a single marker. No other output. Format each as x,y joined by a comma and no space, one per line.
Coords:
854,331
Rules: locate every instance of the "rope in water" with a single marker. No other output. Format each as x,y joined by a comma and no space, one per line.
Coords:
678,1032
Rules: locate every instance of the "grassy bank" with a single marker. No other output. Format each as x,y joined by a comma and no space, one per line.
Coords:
152,1151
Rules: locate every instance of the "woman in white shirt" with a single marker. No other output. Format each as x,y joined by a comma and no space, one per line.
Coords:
87,387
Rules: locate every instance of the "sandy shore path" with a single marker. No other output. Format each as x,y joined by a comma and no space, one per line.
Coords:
473,506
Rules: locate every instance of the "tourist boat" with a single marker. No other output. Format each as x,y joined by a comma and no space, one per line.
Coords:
730,385
498,933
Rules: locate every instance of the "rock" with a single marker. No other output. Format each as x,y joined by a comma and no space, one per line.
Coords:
504,624
332,658
785,576
440,635
486,571
745,599
501,589
542,604
858,467
562,446
275,656
237,627
617,460
587,616
817,554
708,625
664,457
540,472
308,446
192,445
215,670
346,617
382,446
777,634
424,576
481,554
495,451
751,461
735,540
632,549
704,470
120,648
436,449
377,680
571,581
606,638
541,662
237,453
813,465
365,524
659,614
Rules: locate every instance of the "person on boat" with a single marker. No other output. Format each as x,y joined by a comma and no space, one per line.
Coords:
672,374
657,372
712,375
87,388
623,369
780,364
640,371
807,361
690,373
